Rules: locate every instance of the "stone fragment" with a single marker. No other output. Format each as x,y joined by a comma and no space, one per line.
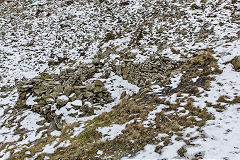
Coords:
38,92
73,97
236,63
67,90
89,87
49,100
87,94
99,83
97,89
124,93
3,95
58,89
62,100
58,123
25,88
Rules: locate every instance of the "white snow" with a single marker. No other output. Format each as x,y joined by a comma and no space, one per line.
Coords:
176,80
83,31
77,103
111,132
30,100
63,97
147,153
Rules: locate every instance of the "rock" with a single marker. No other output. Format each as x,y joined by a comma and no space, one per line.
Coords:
73,97
38,92
89,87
87,94
87,110
3,95
236,63
62,100
98,83
42,102
36,108
67,90
58,89
96,61
97,89
49,100
25,88
58,123
124,93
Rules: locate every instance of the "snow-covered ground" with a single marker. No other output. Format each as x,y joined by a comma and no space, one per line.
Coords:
36,33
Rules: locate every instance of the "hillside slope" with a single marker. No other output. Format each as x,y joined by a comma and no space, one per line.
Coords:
134,79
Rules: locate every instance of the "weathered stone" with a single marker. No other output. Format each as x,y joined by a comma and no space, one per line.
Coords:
58,89
89,87
42,102
67,90
49,100
79,87
87,110
98,83
38,92
96,61
236,63
97,89
100,95
25,88
58,123
124,93
62,100
36,108
78,90
87,94
3,95
73,97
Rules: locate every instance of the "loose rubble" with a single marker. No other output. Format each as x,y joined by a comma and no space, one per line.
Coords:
50,92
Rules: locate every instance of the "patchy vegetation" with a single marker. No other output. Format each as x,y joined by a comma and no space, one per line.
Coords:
115,80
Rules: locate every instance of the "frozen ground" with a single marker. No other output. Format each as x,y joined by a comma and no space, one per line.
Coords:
36,33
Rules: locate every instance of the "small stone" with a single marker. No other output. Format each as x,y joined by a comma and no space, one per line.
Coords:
62,100
124,93
3,95
99,83
89,87
96,61
25,88
49,100
67,90
58,123
98,89
73,97
58,89
87,94
38,92
236,63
